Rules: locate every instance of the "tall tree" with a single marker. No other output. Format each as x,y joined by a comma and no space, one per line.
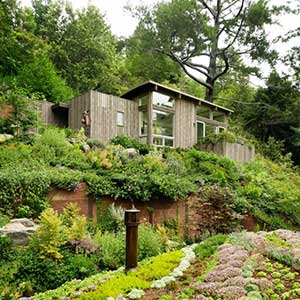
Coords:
276,113
83,48
203,36
24,59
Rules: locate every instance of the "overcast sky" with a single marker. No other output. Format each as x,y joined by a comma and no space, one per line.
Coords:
122,24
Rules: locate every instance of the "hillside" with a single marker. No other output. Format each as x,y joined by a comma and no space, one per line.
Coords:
269,191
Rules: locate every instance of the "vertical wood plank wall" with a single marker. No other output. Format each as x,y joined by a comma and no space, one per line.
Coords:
104,110
235,151
76,107
185,122
48,116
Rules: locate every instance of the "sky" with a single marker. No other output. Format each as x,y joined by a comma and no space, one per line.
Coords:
123,24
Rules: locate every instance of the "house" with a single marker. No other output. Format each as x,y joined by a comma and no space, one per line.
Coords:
151,112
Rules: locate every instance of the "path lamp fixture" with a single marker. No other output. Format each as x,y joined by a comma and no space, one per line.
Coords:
132,218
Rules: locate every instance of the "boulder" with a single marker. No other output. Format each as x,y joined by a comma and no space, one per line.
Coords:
4,137
131,152
19,230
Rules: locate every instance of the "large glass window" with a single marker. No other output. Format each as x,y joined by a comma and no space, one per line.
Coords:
162,100
162,123
143,123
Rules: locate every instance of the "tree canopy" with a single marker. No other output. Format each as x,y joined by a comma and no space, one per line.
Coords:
192,32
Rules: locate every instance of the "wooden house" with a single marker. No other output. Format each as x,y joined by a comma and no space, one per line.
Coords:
152,113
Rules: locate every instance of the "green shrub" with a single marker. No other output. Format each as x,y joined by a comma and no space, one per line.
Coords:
50,236
208,247
111,253
6,248
149,242
128,142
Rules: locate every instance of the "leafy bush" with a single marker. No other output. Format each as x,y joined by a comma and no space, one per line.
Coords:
149,242
5,247
208,247
128,142
50,236
111,249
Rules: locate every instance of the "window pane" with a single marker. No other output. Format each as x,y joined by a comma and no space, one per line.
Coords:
200,130
203,111
162,123
120,118
169,143
143,100
162,100
210,129
143,123
220,129
158,141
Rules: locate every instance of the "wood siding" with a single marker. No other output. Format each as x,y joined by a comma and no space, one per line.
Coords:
104,110
76,108
49,117
185,123
238,152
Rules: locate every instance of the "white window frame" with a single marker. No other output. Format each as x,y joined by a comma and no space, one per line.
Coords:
218,129
120,121
164,138
204,128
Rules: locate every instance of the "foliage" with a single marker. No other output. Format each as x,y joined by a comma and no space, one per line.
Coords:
219,204
152,269
128,142
23,116
183,30
208,247
275,115
149,243
211,168
270,191
111,249
50,235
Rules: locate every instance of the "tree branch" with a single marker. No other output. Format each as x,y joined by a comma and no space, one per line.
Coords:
230,5
239,29
190,65
225,58
213,13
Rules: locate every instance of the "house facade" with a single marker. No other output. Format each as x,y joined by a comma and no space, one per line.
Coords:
152,113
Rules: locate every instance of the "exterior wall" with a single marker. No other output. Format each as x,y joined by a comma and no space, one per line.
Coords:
234,151
185,123
59,199
154,211
76,108
49,117
104,110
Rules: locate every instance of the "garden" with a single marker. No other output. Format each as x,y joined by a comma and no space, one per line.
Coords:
69,256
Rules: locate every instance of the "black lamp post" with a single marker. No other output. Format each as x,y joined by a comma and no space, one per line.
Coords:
132,218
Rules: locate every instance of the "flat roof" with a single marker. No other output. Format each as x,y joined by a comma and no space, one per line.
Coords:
152,85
